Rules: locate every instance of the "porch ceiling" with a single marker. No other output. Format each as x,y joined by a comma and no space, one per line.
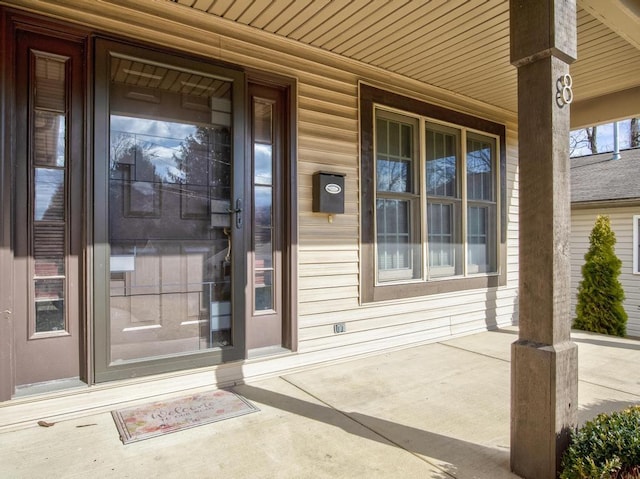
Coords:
458,45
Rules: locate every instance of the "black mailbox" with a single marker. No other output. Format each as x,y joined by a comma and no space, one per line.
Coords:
328,192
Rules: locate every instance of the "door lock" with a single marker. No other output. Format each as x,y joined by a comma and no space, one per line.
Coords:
238,213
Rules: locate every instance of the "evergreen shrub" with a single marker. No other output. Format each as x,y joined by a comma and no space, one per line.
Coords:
600,295
607,447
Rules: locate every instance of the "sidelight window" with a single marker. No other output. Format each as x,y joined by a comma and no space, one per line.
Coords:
49,187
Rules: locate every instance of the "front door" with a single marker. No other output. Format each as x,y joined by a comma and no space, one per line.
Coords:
48,184
169,212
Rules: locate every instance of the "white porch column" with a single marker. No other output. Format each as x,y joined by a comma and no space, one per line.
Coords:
544,376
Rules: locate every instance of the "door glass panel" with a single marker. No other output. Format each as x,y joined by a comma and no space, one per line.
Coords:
264,290
50,82
48,176
49,138
49,191
169,201
48,249
49,305
263,159
263,205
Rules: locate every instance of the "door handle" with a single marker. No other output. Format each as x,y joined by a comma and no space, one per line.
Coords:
227,233
238,213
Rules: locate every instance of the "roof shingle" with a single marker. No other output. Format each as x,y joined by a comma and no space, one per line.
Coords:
599,178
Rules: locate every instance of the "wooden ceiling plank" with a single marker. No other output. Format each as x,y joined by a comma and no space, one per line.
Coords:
188,3
334,23
437,28
352,26
400,41
472,79
237,9
492,59
496,66
273,9
604,49
468,53
357,27
203,5
622,17
387,20
291,11
281,15
303,16
595,34
606,59
493,80
319,20
624,78
219,7
587,78
377,36
254,11
473,44
450,40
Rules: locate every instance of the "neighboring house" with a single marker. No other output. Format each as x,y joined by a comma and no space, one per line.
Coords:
601,185
255,186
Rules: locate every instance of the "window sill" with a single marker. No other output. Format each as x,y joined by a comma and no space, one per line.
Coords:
387,292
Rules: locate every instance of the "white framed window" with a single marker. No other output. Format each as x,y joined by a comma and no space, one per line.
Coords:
432,193
397,197
435,193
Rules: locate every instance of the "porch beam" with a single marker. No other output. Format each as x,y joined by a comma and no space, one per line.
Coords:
544,379
615,106
621,16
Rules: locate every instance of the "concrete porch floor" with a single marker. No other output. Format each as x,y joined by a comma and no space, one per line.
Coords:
434,411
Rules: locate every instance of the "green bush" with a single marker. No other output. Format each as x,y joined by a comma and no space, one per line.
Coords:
607,447
600,295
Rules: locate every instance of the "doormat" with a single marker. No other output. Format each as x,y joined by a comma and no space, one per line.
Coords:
155,419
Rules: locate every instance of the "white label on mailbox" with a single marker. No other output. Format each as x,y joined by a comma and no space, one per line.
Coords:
333,189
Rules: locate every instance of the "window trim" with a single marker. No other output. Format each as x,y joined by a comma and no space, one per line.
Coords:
636,244
370,290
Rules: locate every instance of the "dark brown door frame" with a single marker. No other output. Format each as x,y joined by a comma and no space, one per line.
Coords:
11,22
288,197
6,270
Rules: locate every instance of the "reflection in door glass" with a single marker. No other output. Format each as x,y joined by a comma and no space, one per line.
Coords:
49,305
169,196
263,298
48,184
